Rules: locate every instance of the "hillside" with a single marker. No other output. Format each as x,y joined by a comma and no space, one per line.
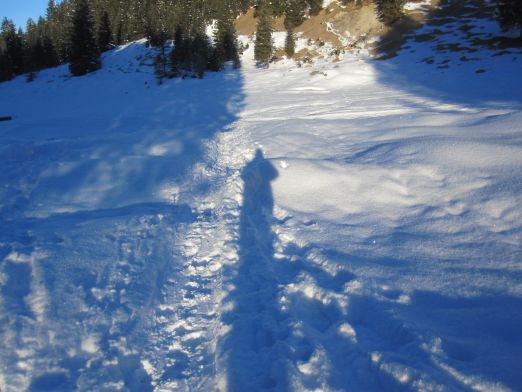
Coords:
349,223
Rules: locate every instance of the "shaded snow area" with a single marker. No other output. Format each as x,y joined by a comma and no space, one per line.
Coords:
344,226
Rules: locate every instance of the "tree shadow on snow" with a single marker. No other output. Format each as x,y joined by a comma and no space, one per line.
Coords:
397,341
96,210
457,55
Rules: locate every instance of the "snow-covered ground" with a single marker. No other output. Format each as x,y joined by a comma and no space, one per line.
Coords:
346,226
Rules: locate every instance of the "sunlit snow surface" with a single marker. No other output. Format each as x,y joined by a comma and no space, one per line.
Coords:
348,226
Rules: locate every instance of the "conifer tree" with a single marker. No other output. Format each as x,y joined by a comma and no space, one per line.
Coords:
226,38
5,70
85,56
50,56
315,6
200,55
277,7
177,54
160,66
33,51
263,48
13,53
389,11
295,13
57,27
119,33
290,43
66,33
510,15
105,40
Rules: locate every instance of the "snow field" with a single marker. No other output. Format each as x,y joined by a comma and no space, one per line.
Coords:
347,226
405,192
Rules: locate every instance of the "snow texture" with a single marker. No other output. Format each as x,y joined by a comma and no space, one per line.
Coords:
342,226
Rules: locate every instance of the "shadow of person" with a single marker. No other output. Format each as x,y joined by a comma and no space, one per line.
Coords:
254,347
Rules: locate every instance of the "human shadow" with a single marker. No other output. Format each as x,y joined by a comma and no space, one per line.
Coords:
272,333
254,347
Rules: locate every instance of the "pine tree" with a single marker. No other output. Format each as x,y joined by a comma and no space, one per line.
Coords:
510,15
160,66
5,70
226,38
105,40
57,27
315,6
277,7
295,13
85,56
389,11
65,33
119,33
263,48
50,56
13,54
290,43
200,55
177,54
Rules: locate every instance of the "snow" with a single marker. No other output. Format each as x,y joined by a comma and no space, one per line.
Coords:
350,225
417,5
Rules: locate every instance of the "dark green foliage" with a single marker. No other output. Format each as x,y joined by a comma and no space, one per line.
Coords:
178,52
200,55
290,43
119,33
50,56
389,11
295,13
34,59
67,35
277,7
192,56
263,46
510,15
104,36
57,27
226,46
5,70
84,57
315,6
12,51
161,65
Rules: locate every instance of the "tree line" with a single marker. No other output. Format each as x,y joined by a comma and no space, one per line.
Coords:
78,31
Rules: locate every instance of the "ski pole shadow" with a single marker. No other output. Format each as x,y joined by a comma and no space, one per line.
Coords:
254,347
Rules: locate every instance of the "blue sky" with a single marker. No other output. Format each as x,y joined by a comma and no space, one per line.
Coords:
21,10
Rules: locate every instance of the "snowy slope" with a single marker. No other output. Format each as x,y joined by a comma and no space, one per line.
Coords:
348,226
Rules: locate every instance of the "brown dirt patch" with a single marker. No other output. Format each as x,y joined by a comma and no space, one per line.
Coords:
350,21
